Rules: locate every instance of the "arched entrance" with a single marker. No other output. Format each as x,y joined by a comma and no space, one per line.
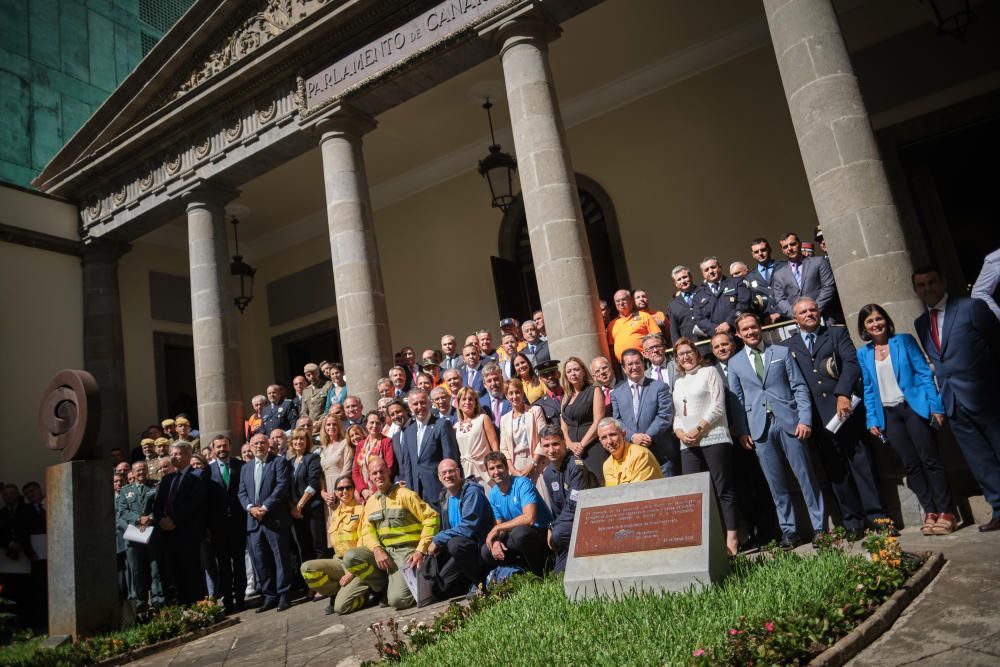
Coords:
514,269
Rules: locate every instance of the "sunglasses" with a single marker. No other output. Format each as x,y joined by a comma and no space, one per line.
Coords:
345,488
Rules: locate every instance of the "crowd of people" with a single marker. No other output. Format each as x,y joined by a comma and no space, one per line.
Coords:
468,467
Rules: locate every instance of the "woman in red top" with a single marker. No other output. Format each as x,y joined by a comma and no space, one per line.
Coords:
374,444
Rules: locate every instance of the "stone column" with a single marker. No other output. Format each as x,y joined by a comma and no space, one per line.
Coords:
103,353
846,176
563,264
213,316
357,270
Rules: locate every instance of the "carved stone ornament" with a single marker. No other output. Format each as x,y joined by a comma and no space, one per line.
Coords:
173,164
266,114
120,197
234,128
146,182
272,18
69,417
94,210
299,96
202,149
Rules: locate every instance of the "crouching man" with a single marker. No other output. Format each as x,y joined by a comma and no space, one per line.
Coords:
397,533
466,519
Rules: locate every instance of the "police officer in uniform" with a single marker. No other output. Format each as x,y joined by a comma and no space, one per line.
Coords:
680,311
134,506
719,300
829,363
565,476
551,401
278,413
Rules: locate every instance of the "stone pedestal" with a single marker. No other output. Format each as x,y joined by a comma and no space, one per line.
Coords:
83,585
357,271
103,353
660,535
213,316
563,264
846,176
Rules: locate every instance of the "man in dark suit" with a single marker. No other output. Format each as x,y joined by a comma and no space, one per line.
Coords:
759,280
536,349
646,409
227,524
719,300
278,413
472,376
803,276
829,364
680,311
422,444
775,422
180,513
961,337
264,495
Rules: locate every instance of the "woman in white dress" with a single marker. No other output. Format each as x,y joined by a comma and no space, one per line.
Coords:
475,435
519,432
336,456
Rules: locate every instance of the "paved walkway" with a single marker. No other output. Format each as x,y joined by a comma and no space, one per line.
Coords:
955,621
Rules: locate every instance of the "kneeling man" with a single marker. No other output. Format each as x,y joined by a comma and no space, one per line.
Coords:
565,476
466,519
522,520
397,532
626,463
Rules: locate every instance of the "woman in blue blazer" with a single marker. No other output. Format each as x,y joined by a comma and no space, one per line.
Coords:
902,403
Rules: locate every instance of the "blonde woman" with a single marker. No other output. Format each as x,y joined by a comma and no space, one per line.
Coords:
336,456
519,432
475,436
582,409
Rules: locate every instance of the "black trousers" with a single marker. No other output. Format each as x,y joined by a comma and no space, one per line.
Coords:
308,540
754,497
978,437
915,442
459,566
182,571
228,549
717,460
527,547
848,465
562,534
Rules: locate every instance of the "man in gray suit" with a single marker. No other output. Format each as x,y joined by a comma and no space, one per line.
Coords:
803,276
536,349
776,421
646,409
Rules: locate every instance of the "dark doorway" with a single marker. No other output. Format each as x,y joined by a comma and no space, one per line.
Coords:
951,175
314,343
175,383
514,271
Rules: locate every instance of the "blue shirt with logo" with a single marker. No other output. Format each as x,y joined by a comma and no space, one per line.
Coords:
511,505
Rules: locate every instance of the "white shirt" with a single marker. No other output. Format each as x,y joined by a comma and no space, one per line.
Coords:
888,389
941,307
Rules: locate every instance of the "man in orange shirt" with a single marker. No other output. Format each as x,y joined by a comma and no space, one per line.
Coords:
627,330
642,303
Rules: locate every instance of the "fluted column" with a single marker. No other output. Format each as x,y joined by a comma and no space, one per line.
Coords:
846,175
563,264
213,315
357,271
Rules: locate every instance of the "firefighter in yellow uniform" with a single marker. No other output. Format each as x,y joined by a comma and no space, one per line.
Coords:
397,532
329,576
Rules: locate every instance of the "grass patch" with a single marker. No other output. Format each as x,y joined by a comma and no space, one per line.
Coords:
168,623
782,609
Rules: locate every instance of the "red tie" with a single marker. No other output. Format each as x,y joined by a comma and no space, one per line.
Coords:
607,395
935,333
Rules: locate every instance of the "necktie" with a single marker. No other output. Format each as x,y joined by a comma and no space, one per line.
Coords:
258,474
715,289
531,348
935,331
810,342
420,437
635,402
687,297
174,485
496,412
765,273
607,395
224,469
468,382
758,364
659,373
797,270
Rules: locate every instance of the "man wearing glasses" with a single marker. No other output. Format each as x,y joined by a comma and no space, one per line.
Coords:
654,349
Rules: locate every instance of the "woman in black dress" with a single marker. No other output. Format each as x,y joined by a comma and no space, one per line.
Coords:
582,408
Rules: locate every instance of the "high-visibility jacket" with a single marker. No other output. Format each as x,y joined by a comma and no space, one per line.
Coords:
398,519
344,527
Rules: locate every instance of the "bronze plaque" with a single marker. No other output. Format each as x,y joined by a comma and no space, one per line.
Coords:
644,525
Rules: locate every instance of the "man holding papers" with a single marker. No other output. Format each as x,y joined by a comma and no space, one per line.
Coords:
829,364
134,509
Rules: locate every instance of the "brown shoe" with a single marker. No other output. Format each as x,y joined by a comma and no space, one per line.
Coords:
929,521
945,524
